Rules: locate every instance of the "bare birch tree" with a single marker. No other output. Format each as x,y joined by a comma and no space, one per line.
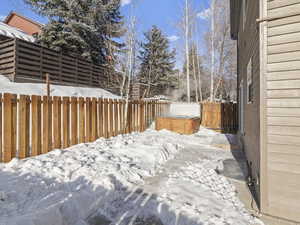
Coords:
212,50
221,50
131,42
186,27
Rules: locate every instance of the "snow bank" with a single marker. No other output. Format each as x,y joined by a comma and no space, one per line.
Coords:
56,90
185,109
64,186
141,178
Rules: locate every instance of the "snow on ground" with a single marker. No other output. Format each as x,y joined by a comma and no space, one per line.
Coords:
150,178
185,109
56,90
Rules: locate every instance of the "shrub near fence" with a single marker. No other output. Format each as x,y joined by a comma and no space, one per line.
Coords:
34,125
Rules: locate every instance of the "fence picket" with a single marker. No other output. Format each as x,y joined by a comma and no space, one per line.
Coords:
111,118
88,135
100,117
116,117
129,116
24,126
94,119
36,115
66,122
105,105
142,118
81,120
47,125
121,113
74,121
9,119
56,122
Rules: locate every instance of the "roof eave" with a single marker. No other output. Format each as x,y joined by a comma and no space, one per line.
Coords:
12,13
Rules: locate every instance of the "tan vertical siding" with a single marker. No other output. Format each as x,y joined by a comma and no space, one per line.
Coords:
283,110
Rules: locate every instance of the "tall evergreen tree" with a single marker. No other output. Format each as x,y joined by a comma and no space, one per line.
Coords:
157,62
83,27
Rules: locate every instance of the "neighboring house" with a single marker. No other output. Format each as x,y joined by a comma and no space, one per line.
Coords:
25,24
7,32
268,38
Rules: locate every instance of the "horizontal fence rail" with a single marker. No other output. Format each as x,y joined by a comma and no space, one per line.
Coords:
34,125
221,117
23,61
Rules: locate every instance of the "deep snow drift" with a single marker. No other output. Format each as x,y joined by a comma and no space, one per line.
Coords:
141,178
55,90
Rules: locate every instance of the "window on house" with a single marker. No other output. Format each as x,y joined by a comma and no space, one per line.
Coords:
250,82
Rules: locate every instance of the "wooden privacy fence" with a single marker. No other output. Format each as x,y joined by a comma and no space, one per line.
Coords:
23,61
34,125
220,116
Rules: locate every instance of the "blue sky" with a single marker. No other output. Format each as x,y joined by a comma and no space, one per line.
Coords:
162,13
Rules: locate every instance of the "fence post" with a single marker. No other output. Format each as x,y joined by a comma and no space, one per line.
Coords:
24,126
74,121
47,125
66,122
10,117
36,115
81,120
48,84
56,122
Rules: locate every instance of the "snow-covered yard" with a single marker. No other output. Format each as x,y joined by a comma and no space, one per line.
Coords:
160,178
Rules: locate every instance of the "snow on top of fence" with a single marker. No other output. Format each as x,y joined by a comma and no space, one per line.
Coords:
13,32
6,86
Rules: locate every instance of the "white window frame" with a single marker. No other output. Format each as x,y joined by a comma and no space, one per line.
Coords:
244,13
249,80
241,108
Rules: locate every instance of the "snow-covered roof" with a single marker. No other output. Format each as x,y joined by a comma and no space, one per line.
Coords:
13,32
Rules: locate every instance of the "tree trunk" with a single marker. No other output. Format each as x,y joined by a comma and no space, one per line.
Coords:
195,78
187,51
199,78
212,51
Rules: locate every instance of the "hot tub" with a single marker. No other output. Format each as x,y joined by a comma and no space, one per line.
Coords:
178,124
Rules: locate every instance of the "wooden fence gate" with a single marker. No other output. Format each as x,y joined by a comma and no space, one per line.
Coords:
221,117
34,125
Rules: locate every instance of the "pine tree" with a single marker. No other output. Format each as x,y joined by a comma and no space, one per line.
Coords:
85,28
157,62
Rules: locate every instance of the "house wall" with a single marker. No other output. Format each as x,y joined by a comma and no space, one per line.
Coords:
248,46
282,121
23,24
